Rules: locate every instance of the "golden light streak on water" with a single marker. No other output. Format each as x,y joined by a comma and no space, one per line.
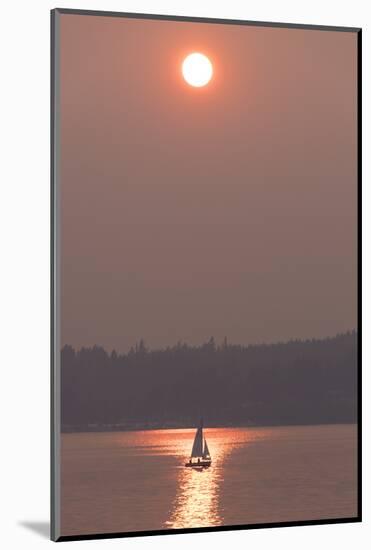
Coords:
197,500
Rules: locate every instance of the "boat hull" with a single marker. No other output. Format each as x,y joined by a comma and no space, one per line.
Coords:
198,465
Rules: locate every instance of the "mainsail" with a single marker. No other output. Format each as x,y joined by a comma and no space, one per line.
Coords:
197,444
206,453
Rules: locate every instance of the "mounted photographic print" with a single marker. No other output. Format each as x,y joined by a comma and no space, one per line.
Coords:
205,274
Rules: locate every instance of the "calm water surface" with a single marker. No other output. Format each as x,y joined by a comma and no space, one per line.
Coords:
135,481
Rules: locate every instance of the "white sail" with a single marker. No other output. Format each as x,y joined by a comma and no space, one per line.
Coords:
206,453
197,444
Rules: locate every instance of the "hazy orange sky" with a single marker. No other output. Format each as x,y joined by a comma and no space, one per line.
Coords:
228,210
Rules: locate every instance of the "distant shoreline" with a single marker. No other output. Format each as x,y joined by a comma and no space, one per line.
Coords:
298,383
145,427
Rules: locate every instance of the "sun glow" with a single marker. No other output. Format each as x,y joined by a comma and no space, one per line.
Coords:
197,69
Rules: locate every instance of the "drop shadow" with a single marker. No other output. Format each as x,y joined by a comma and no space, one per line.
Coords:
42,528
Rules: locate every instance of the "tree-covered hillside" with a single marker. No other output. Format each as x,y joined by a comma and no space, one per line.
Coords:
299,382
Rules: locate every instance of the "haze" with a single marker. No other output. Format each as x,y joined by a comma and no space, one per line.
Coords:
188,213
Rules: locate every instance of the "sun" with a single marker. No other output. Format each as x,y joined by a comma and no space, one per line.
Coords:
197,69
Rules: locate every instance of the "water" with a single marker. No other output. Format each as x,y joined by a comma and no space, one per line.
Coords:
136,481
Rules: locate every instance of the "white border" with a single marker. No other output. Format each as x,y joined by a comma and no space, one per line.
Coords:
24,273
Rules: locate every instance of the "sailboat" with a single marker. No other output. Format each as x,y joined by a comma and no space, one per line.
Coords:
200,456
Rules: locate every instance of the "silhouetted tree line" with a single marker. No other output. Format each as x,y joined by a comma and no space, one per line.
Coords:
298,382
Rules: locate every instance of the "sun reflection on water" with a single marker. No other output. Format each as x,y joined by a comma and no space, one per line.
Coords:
196,504
197,501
